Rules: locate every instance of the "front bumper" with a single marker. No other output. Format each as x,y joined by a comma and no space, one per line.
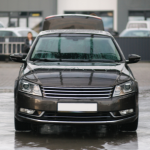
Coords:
49,106
118,121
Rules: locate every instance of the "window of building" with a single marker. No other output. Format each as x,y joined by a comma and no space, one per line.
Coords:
107,17
139,15
22,19
4,18
1,26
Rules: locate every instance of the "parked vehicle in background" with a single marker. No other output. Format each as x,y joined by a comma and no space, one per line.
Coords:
73,21
1,25
16,32
135,33
138,24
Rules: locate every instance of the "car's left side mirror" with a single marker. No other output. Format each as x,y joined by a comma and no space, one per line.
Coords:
133,58
18,57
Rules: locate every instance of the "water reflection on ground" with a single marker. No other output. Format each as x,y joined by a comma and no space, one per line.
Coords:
66,137
73,137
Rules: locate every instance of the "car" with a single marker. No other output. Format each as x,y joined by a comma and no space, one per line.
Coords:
73,21
75,76
138,24
136,32
16,32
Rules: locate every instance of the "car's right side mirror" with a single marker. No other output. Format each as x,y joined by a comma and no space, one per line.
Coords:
133,58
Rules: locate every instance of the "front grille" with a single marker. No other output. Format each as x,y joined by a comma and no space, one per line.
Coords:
77,93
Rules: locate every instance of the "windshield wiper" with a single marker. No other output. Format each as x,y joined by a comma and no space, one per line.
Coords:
74,60
46,60
102,60
88,60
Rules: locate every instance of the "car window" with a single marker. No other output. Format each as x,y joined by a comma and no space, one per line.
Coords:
136,33
7,33
137,25
25,32
77,48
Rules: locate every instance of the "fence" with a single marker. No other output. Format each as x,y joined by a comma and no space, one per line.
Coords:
132,45
135,45
10,45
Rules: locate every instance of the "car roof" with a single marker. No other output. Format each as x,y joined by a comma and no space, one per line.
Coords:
82,31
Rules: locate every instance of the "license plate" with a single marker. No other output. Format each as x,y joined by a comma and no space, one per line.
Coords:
77,107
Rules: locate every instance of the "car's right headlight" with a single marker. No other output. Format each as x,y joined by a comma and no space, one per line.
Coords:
125,88
29,87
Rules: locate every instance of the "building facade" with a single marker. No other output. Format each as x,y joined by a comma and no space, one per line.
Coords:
26,13
115,13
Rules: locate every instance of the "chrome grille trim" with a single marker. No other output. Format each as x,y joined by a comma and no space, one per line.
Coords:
74,94
77,92
62,91
77,87
77,97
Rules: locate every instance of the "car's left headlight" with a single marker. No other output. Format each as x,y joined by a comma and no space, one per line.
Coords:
29,87
125,88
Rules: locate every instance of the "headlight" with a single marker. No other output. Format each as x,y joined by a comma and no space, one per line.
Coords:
28,87
124,88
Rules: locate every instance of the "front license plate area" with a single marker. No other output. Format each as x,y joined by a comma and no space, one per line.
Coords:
77,107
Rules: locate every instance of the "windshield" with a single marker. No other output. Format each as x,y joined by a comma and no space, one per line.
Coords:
135,33
78,48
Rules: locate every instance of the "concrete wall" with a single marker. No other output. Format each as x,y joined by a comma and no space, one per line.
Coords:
48,7
88,5
124,6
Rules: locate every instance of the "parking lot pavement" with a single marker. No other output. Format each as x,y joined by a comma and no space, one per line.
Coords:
8,74
65,137
141,72
75,137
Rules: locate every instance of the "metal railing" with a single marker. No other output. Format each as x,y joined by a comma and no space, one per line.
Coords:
11,47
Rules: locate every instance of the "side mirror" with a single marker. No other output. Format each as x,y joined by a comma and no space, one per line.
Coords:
133,58
18,57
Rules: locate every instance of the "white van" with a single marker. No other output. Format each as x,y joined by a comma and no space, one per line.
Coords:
138,24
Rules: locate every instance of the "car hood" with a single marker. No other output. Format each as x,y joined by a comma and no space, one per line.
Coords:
54,74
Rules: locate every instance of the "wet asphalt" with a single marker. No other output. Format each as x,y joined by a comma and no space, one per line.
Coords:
79,137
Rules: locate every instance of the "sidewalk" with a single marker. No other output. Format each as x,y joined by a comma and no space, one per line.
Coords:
9,72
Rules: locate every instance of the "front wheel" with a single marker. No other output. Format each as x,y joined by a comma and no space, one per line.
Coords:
130,126
21,126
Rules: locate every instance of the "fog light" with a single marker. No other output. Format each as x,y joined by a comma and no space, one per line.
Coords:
27,111
126,112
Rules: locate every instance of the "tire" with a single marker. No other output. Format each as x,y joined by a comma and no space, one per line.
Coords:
21,126
130,126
